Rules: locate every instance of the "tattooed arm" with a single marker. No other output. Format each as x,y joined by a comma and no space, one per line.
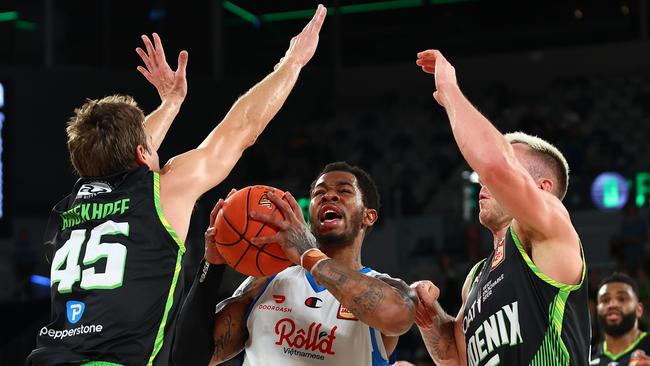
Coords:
385,304
442,333
230,333
389,308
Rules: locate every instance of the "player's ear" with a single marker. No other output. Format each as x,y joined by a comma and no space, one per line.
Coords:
140,155
639,310
546,184
370,216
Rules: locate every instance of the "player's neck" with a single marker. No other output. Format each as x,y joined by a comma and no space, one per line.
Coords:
616,345
348,255
499,235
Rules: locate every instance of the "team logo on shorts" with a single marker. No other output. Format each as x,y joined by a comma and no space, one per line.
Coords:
92,189
75,310
345,314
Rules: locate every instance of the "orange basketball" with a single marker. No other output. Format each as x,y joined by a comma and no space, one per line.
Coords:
235,229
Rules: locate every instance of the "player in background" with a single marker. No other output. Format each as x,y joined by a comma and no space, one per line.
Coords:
526,304
118,238
618,313
329,309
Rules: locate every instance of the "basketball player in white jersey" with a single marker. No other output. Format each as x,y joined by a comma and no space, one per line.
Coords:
329,309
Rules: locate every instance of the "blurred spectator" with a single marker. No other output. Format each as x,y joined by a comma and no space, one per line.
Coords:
24,263
628,246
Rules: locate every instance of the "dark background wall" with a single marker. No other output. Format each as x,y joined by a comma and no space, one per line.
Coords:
576,73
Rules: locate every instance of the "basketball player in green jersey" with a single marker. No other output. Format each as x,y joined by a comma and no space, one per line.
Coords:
526,304
618,311
118,238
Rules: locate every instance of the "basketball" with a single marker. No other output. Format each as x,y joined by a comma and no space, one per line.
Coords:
235,229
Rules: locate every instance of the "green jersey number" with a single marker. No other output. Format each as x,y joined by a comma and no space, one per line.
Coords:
68,255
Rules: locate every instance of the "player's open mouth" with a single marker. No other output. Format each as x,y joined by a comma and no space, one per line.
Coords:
330,214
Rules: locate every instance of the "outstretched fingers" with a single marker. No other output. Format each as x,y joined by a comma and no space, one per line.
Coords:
317,20
261,240
295,207
182,64
270,219
150,50
158,49
281,204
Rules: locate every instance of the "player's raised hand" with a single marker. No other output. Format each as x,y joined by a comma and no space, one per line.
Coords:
168,83
303,46
212,255
428,294
293,235
433,62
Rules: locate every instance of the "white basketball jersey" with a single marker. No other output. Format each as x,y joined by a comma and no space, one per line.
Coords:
296,322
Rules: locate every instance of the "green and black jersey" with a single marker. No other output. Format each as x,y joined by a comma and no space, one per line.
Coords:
516,315
603,357
115,275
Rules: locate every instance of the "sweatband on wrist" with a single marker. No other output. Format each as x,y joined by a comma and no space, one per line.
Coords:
311,257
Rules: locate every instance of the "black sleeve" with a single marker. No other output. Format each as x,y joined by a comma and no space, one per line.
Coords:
193,343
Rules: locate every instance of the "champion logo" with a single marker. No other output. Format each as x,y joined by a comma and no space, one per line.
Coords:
279,298
313,302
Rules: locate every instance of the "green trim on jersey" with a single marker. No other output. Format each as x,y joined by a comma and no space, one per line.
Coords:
98,363
552,351
615,357
541,275
474,270
160,336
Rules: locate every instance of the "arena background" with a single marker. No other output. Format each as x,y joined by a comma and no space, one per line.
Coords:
573,72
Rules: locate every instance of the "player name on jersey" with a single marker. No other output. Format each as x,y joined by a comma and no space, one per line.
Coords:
92,211
500,329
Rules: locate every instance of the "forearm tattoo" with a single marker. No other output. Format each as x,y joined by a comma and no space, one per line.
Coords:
338,282
222,341
440,339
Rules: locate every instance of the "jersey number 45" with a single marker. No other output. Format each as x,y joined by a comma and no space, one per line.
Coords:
69,253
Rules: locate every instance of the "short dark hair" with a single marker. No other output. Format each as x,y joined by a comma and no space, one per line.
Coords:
622,278
369,191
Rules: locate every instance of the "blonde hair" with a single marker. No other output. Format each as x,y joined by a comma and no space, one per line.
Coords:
551,157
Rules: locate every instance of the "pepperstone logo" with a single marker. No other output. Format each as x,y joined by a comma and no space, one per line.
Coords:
73,332
75,310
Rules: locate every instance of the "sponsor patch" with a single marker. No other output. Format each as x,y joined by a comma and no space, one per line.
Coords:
345,314
279,298
499,255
